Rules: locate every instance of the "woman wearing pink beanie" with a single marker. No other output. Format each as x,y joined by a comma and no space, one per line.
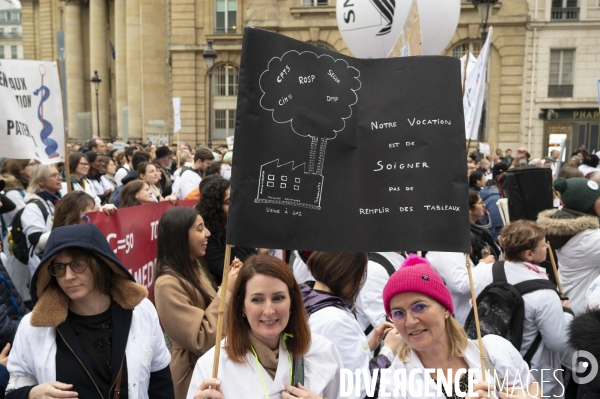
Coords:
420,306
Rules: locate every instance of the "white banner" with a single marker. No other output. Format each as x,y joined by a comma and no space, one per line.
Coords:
176,114
31,112
474,93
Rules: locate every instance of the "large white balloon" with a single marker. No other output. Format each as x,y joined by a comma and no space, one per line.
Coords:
370,28
439,20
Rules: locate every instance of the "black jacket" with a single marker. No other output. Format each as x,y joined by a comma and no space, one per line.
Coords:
12,308
481,238
583,333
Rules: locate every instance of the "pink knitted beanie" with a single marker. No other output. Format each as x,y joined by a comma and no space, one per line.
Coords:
417,275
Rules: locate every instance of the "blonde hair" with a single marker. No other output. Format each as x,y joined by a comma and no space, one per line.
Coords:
39,172
456,334
183,156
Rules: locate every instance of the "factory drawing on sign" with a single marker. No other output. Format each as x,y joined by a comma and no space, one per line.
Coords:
314,94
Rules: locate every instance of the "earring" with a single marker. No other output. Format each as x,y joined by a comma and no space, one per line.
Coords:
243,314
446,316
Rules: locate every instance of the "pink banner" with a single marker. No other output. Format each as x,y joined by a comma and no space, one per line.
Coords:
132,234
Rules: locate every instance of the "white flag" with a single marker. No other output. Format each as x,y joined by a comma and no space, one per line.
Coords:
31,112
471,60
176,114
474,93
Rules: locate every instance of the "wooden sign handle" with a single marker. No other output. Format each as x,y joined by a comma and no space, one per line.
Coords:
476,314
221,315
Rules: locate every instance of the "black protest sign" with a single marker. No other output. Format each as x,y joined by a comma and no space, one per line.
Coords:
341,154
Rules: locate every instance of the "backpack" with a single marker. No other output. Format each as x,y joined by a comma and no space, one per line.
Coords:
18,241
502,310
115,196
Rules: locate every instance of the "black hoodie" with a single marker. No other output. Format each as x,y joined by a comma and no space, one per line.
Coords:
51,310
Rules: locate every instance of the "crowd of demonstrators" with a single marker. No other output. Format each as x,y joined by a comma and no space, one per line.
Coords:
341,320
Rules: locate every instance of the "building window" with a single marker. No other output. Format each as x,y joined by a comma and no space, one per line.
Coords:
561,73
225,85
224,123
226,17
565,10
226,78
464,48
13,52
315,3
3,16
1,52
14,34
16,16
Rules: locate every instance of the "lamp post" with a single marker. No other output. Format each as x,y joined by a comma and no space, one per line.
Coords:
96,81
209,56
484,7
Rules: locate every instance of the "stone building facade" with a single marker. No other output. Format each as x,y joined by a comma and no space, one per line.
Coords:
562,67
150,51
125,42
501,119
11,46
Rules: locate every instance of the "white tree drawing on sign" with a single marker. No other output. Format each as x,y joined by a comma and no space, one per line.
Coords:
314,94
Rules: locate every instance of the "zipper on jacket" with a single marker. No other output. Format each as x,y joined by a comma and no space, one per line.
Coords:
114,383
80,362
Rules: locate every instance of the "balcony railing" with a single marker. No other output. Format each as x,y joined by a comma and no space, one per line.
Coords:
565,14
10,35
560,90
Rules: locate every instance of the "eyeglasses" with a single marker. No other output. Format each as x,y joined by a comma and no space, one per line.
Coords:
418,309
55,176
479,204
60,269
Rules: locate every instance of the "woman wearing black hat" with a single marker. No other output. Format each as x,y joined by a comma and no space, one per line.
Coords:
92,331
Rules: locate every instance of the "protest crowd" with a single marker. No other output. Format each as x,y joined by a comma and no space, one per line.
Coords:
75,323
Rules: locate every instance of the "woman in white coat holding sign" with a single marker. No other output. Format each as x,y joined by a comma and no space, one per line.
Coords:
268,341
